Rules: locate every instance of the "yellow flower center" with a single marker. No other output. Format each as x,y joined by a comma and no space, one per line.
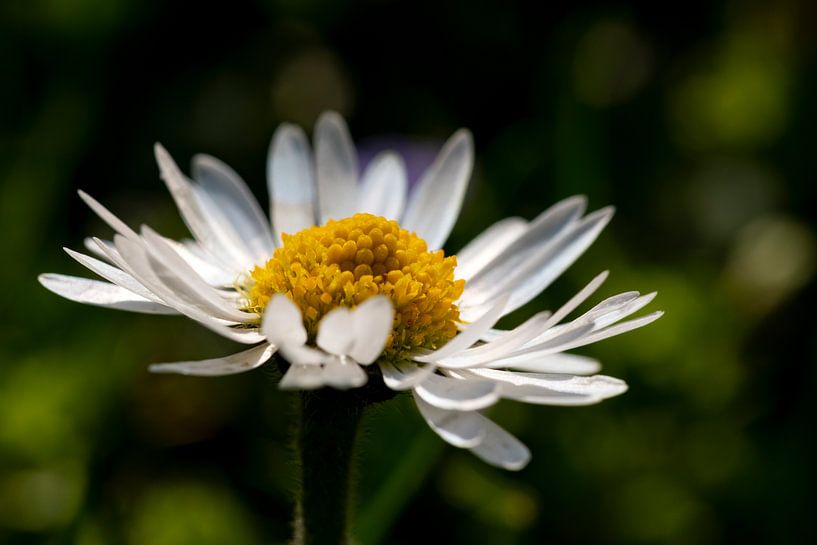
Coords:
347,261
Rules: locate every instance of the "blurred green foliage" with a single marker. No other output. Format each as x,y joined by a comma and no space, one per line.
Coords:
698,124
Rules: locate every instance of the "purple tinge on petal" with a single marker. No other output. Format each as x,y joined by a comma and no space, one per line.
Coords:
417,154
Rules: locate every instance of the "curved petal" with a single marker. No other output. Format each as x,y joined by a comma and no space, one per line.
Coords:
114,275
234,199
335,334
216,367
556,339
457,395
500,448
301,354
405,375
209,229
302,377
342,373
577,299
468,336
611,331
546,228
372,323
529,278
594,388
101,294
487,245
559,363
291,181
91,245
105,215
201,261
502,345
613,316
336,165
436,201
462,429
603,315
282,323
185,283
134,259
383,187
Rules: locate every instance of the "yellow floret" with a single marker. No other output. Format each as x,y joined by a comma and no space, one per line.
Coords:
345,262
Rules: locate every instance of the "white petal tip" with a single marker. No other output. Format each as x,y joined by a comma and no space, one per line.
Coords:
608,212
330,116
162,368
463,135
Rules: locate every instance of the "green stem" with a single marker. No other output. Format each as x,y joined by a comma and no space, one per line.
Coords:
328,427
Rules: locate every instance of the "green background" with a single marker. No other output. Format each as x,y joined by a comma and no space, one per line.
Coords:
697,120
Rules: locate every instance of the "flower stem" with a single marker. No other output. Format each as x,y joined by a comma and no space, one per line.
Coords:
329,422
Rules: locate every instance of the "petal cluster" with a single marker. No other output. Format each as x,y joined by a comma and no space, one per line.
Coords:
452,381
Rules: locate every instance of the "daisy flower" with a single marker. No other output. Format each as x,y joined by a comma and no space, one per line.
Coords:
348,283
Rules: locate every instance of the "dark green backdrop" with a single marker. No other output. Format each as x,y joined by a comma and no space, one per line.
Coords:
697,120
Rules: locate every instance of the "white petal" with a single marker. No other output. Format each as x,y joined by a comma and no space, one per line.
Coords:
234,199
101,294
542,271
578,299
614,315
91,245
233,248
499,347
185,283
569,364
203,263
336,334
383,187
614,330
540,395
302,377
115,223
541,232
614,302
113,274
500,448
501,275
602,315
342,373
457,395
458,428
557,339
528,279
111,252
372,323
436,200
301,354
468,336
336,165
209,230
291,181
405,375
594,388
282,323
135,260
487,245
228,365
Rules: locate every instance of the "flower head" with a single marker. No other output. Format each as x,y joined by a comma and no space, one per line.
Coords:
350,273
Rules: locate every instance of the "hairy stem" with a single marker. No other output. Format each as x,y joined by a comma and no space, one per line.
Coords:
328,427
